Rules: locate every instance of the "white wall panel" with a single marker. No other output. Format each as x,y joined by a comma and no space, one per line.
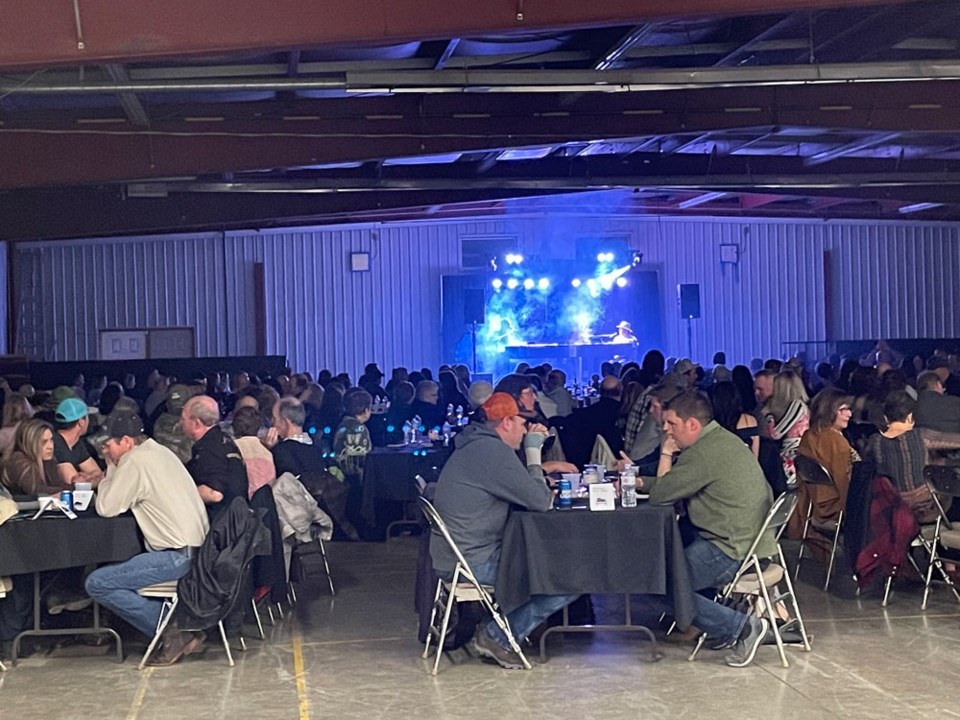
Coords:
882,279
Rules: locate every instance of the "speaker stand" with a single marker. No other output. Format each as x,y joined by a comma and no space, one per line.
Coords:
473,337
689,338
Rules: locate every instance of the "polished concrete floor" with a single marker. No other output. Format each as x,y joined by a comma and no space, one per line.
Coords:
356,656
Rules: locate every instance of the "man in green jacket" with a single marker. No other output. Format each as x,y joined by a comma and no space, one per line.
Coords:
727,501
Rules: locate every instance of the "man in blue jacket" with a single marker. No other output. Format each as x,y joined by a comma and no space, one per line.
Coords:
478,485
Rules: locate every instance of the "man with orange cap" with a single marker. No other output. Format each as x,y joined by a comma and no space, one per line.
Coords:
482,479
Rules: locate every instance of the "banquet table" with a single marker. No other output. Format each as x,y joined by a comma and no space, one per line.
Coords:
571,552
54,542
389,478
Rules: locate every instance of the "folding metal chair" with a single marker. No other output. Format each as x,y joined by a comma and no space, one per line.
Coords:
810,472
6,584
752,579
464,587
167,591
942,481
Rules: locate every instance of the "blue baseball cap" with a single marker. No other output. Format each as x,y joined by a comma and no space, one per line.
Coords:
71,410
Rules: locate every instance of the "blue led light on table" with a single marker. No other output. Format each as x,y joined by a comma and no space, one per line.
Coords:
423,428
327,430
312,430
390,428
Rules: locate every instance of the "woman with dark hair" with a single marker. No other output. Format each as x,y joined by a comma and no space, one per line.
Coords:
108,398
31,469
729,414
742,378
652,368
846,370
328,416
397,375
450,392
16,409
830,413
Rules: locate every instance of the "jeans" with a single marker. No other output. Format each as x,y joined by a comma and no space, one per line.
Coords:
115,586
709,567
523,619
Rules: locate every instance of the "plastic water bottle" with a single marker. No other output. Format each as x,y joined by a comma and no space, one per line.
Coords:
628,487
449,414
446,434
460,419
407,433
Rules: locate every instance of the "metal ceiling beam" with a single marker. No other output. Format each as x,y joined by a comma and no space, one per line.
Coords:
850,148
456,81
130,103
39,34
734,57
611,58
257,136
447,53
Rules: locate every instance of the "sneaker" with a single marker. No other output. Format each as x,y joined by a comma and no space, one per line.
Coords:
486,647
56,604
751,637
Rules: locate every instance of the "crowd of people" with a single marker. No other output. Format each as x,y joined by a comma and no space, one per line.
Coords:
728,439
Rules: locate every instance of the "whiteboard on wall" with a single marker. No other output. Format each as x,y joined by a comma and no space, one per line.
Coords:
123,344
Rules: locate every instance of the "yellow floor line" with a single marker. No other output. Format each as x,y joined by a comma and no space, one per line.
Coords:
137,705
304,703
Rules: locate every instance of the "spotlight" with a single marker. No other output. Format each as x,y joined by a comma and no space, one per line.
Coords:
621,282
497,284
592,284
543,284
513,258
576,282
528,283
606,283
512,283
601,257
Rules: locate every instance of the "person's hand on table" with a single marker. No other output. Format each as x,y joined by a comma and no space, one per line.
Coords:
556,466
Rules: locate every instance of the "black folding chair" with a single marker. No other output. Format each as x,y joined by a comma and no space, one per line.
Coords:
810,472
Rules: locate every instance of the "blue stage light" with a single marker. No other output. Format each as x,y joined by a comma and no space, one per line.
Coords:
512,283
543,284
513,258
575,282
497,284
592,284
601,257
528,283
621,282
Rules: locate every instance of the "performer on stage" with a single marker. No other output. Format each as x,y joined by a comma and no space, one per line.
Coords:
625,335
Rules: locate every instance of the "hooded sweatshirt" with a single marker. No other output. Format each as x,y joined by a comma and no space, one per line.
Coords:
477,486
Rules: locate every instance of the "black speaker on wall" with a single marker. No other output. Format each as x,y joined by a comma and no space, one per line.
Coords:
688,295
473,306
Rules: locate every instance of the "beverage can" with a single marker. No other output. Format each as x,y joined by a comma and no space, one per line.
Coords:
66,497
565,496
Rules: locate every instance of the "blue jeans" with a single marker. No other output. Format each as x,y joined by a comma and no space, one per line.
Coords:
709,568
115,586
523,619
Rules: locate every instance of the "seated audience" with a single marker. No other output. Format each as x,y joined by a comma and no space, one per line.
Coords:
258,460
400,411
74,460
478,485
727,501
556,390
16,409
762,392
30,468
167,429
830,413
149,480
352,440
427,405
450,391
479,393
935,409
216,465
685,373
327,418
743,379
644,429
295,452
787,388
397,375
372,375
584,425
900,453
725,400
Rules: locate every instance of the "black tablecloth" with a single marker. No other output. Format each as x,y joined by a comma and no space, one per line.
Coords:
389,475
54,542
568,552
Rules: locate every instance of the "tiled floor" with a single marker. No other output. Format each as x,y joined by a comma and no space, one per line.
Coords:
356,656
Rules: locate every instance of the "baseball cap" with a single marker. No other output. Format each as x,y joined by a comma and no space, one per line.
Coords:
480,392
61,393
71,410
123,423
499,406
685,366
177,396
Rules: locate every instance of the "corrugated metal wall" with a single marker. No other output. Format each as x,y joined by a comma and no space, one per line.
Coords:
883,280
